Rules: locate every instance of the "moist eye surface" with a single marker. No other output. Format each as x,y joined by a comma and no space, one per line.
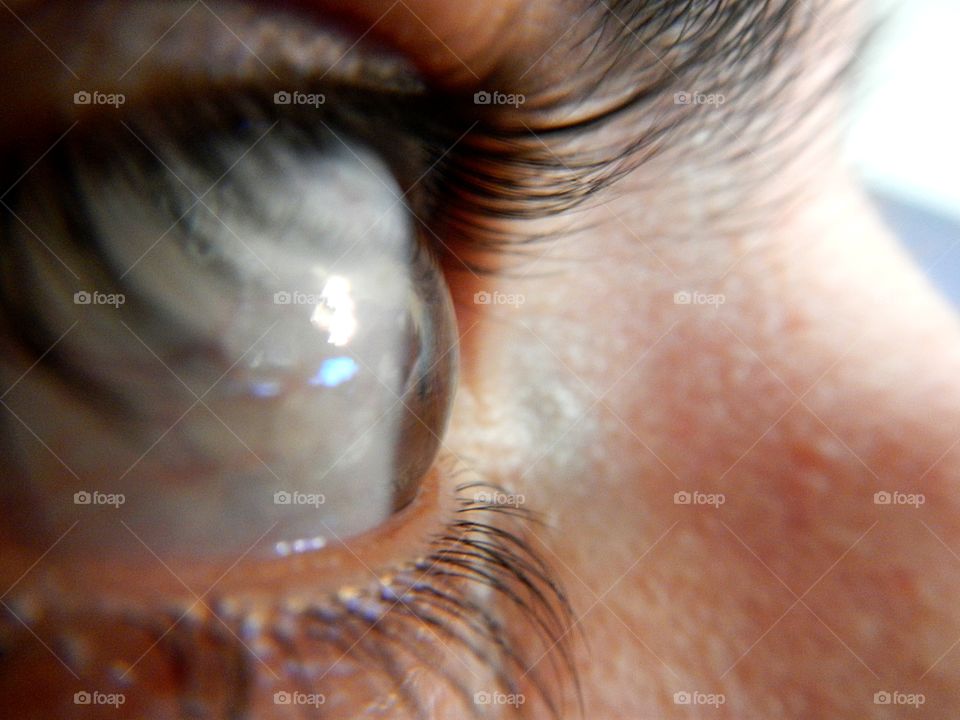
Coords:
257,344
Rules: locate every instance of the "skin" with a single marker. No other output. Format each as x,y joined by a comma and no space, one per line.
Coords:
827,373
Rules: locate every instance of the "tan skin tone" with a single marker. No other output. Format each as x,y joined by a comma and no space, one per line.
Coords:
828,373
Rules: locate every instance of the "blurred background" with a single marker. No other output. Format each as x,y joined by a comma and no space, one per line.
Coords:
904,138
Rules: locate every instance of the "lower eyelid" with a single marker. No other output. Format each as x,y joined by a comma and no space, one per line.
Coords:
478,612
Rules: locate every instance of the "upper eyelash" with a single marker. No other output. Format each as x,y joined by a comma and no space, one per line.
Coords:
481,546
491,165
518,166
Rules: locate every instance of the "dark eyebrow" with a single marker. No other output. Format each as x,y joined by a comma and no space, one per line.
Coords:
632,57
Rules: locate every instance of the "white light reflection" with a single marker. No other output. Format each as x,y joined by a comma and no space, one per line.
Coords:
284,548
337,313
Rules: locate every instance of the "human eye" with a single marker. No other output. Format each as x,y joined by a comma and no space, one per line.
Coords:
255,316
230,359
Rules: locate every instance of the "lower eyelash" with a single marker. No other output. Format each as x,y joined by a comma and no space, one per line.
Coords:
480,593
475,554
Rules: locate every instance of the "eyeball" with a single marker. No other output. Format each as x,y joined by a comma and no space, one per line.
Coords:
282,365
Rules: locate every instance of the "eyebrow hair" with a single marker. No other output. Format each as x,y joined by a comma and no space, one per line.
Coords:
635,56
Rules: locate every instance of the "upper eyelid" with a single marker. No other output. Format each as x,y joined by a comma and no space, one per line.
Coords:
490,169
143,49
298,55
131,46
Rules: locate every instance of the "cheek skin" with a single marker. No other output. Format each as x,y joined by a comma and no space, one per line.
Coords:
600,397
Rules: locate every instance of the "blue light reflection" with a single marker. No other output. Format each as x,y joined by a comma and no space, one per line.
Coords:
335,371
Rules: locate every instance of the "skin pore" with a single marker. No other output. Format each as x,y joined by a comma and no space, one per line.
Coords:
810,367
